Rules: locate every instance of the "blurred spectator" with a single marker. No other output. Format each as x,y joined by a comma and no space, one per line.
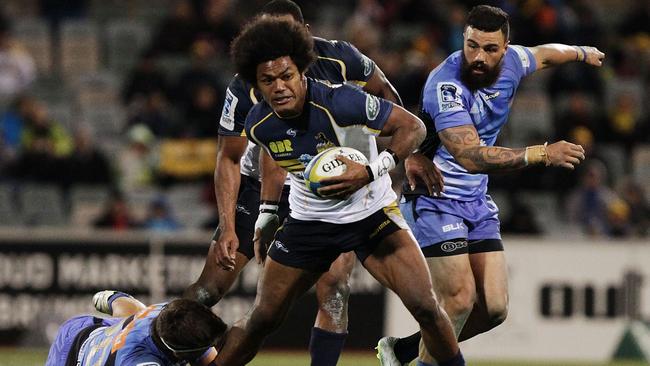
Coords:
587,205
11,130
116,215
199,92
177,32
200,114
44,145
156,113
137,163
218,27
160,218
618,219
579,113
17,68
87,164
146,79
623,123
634,195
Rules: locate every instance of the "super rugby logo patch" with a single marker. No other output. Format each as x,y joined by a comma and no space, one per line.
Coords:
372,107
449,97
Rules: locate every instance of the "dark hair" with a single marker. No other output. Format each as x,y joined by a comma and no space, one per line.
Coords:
283,7
489,19
188,324
266,39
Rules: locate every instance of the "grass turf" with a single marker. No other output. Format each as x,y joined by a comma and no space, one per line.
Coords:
36,357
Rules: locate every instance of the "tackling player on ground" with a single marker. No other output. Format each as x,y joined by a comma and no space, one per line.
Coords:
466,101
166,334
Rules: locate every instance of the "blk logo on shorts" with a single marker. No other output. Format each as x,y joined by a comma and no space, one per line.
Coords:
452,246
452,227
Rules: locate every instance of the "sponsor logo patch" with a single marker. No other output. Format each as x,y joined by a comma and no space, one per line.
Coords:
372,107
292,132
228,112
278,244
451,246
449,97
367,66
452,227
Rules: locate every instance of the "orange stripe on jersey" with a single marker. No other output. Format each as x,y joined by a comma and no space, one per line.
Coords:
120,340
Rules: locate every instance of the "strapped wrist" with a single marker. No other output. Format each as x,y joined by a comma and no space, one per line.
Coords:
385,162
271,207
581,54
537,154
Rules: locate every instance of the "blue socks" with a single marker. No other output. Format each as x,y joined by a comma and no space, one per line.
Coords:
457,360
325,347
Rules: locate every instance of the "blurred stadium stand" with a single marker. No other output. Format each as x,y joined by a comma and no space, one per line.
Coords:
88,53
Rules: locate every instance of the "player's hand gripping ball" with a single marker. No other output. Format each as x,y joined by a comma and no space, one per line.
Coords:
326,165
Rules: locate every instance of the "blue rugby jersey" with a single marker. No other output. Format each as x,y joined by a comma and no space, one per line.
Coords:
338,62
333,115
126,343
446,103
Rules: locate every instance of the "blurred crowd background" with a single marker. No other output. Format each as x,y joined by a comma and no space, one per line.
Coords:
109,108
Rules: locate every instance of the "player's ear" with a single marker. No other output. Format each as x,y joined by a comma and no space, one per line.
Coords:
308,27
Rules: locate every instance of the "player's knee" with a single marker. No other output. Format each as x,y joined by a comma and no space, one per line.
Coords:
460,302
498,313
425,310
204,293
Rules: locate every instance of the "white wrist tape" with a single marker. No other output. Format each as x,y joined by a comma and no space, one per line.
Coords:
384,163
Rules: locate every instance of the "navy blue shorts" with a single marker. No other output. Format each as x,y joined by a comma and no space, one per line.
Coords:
314,245
247,210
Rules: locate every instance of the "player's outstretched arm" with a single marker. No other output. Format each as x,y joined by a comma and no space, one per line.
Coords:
226,188
556,54
268,221
116,303
463,143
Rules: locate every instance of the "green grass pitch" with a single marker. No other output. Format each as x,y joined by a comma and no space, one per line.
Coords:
36,357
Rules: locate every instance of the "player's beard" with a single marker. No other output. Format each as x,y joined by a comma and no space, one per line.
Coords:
479,81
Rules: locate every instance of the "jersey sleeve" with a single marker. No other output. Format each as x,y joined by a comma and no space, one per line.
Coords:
358,67
236,106
523,61
355,107
444,101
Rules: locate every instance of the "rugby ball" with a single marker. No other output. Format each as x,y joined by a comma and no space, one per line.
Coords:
326,165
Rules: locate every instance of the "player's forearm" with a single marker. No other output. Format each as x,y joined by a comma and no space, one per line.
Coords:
273,178
491,159
464,144
407,135
556,54
227,180
126,306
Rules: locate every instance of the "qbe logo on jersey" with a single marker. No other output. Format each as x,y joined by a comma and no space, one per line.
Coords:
449,97
228,112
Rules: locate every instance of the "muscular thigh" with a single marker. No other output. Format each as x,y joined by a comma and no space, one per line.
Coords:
398,264
450,275
491,276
